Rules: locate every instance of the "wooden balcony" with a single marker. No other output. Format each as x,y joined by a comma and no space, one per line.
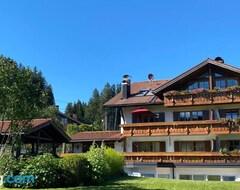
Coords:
180,128
181,157
204,98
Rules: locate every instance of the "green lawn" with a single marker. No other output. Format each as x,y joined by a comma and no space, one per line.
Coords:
130,183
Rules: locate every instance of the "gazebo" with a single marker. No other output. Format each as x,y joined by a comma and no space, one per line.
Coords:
40,132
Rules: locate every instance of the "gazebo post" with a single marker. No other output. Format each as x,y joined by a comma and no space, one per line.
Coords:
33,147
38,139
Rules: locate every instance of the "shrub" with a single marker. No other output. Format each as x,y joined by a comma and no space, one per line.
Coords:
45,169
76,170
115,161
99,166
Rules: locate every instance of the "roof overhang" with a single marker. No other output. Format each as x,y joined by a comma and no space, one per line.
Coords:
194,70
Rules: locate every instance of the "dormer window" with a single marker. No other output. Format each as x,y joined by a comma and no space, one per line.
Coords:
143,92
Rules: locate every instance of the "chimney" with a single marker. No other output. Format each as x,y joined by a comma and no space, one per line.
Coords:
74,116
126,87
219,59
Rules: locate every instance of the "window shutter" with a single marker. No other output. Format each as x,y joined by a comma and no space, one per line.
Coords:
162,146
207,146
205,114
222,113
177,146
176,116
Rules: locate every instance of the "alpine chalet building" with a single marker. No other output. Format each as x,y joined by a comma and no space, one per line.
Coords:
184,128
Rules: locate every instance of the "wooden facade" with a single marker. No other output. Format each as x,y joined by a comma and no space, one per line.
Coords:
205,98
181,128
181,157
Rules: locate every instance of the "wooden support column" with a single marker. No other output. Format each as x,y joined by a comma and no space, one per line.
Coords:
33,148
72,147
54,149
38,142
210,78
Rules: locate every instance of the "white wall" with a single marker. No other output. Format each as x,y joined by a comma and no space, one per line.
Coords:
183,171
118,146
168,139
208,171
77,148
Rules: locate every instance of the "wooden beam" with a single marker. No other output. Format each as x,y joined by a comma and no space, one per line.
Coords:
40,138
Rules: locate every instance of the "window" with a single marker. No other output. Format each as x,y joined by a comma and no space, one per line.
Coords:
232,114
159,117
193,86
197,115
234,145
214,178
155,146
224,83
192,146
199,177
150,117
198,84
228,178
221,84
199,146
187,146
204,84
147,175
64,120
191,116
184,116
163,176
185,177
232,82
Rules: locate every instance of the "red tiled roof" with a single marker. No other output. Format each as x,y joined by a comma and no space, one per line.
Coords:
96,136
137,100
34,123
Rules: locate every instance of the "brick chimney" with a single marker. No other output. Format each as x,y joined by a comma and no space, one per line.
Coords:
126,87
74,116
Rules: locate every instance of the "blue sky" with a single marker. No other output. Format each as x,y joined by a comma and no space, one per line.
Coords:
81,45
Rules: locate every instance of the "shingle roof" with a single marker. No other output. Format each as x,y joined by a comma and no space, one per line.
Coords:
34,123
96,136
137,100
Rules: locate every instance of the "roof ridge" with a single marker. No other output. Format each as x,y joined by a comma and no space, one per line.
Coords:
158,80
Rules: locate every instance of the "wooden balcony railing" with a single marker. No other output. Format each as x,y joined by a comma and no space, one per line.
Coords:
204,98
181,157
180,128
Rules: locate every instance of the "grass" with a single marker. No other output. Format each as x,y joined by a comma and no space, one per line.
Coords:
132,183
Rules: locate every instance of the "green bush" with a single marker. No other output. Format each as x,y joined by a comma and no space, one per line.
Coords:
45,168
10,166
115,160
99,167
76,170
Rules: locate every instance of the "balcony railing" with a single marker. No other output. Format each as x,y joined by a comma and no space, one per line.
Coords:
181,157
203,98
180,128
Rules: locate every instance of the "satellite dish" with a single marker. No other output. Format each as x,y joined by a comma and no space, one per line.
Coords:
126,76
150,77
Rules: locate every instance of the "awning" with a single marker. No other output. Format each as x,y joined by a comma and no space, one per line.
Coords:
141,111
